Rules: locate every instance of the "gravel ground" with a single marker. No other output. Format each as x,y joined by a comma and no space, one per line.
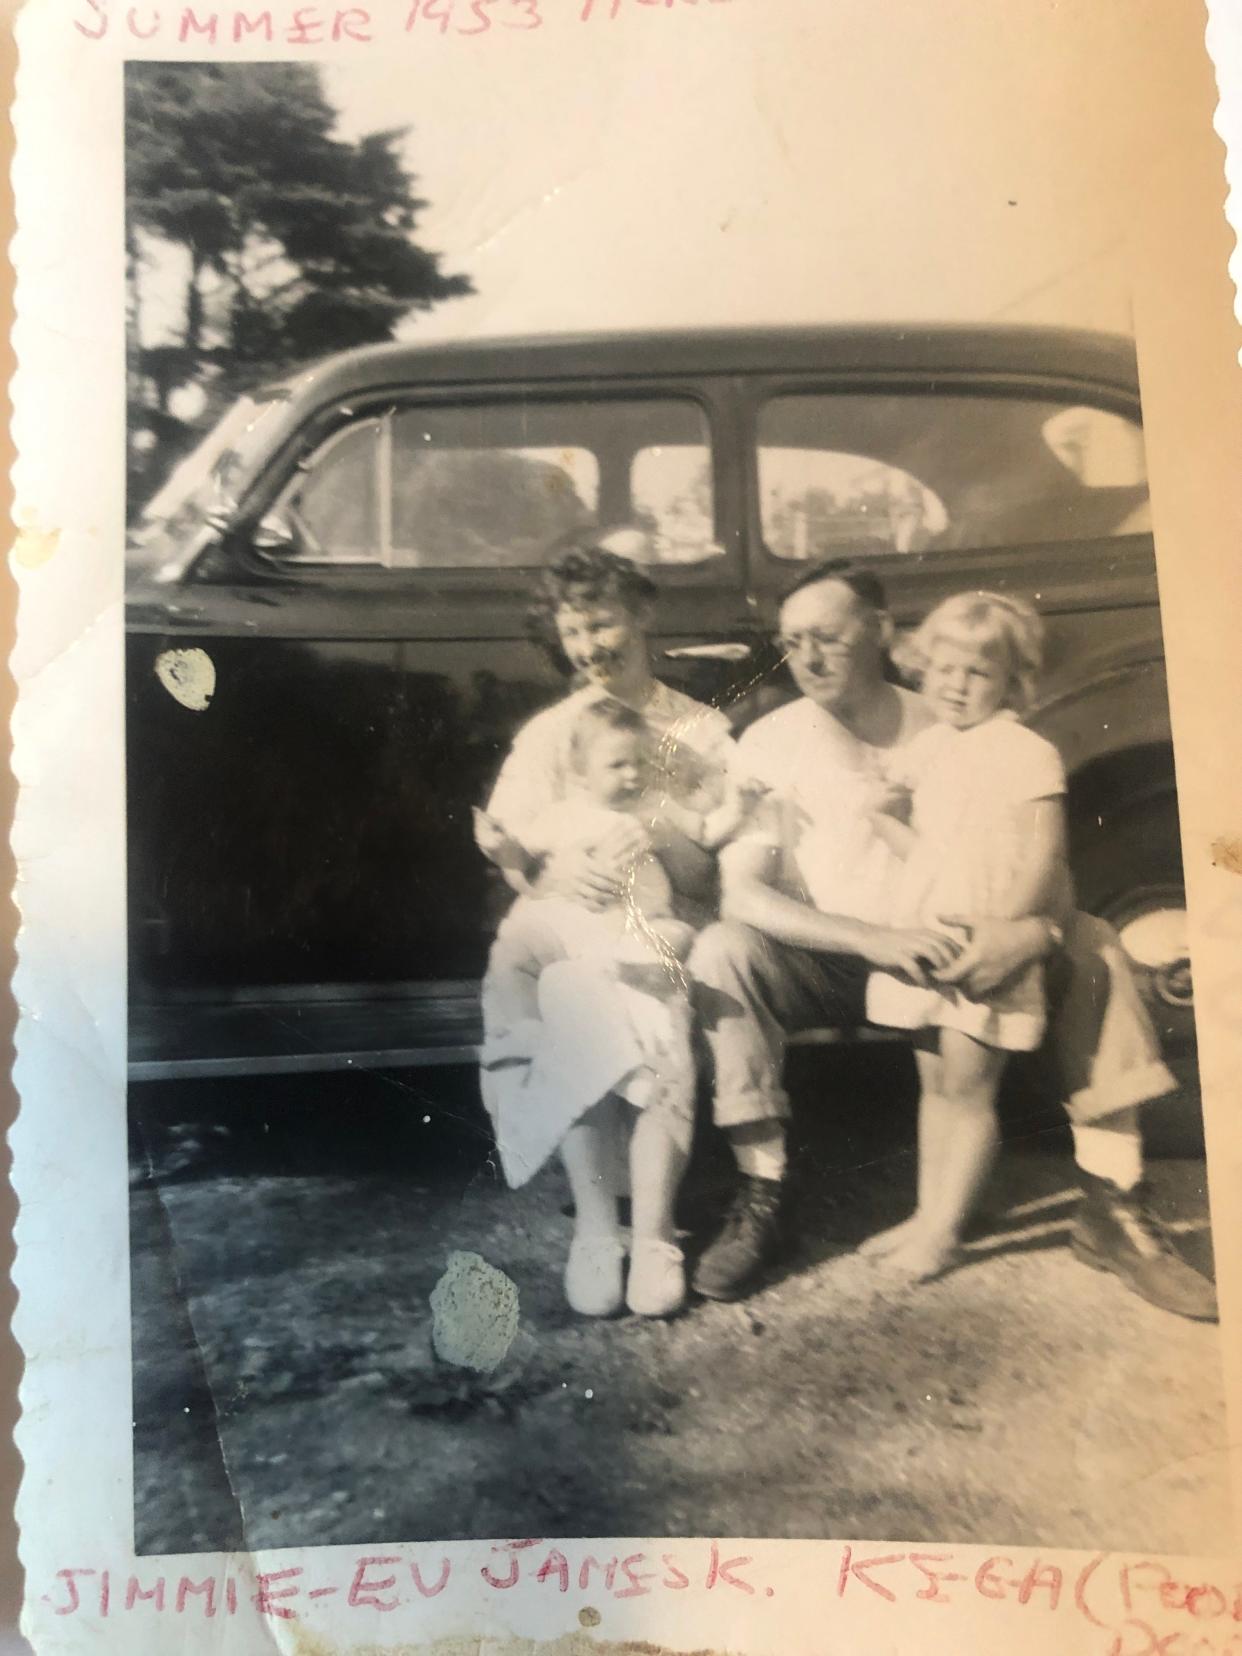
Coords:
286,1238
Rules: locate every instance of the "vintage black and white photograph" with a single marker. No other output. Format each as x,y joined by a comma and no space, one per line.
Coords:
659,989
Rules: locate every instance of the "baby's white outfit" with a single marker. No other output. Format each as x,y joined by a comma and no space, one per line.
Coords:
623,928
598,1030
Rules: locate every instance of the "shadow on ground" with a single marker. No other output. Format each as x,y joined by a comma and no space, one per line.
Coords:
287,1234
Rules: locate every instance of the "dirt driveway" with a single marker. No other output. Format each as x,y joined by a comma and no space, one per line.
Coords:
287,1236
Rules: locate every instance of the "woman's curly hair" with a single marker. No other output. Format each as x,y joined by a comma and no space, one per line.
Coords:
583,570
989,618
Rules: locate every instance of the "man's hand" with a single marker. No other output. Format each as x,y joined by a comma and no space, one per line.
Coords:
996,951
915,951
593,876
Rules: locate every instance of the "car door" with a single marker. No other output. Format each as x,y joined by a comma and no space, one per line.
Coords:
367,623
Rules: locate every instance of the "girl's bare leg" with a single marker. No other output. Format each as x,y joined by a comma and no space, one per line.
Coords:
887,1242
962,1137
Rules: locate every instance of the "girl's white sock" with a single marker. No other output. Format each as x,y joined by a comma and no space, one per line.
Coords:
760,1149
1111,1148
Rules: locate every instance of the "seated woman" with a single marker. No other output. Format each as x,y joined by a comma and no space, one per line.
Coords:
603,817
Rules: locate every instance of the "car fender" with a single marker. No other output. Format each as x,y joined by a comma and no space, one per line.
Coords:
1117,703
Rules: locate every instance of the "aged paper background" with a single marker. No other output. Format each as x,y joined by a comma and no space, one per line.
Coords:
10,1356
1118,154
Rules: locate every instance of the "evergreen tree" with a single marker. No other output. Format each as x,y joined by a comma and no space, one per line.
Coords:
297,241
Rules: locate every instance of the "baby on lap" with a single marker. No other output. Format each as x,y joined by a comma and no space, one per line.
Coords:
612,760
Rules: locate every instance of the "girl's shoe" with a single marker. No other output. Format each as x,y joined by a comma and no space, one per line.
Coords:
594,1274
657,1285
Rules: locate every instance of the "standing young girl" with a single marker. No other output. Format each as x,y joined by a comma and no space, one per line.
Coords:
978,817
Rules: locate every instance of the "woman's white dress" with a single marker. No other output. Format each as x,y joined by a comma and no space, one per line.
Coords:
603,1019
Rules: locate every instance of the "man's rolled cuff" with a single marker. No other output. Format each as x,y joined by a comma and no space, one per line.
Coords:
1129,1087
744,1106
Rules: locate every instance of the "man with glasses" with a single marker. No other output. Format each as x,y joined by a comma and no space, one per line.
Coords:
804,893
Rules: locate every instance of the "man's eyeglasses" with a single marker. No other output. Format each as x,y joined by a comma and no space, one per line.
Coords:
822,640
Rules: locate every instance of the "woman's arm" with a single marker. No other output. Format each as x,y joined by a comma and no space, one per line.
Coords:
504,851
532,780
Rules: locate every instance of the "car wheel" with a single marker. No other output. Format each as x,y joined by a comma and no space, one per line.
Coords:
1131,875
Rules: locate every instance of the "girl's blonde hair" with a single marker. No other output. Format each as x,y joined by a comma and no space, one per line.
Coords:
990,617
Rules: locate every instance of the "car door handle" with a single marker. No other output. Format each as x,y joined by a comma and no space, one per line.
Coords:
709,652
183,615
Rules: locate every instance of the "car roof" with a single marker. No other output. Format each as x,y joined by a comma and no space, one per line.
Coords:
1103,360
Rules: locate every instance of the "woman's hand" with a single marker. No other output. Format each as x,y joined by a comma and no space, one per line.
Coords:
593,876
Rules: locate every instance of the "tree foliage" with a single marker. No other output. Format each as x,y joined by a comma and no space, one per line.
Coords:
297,241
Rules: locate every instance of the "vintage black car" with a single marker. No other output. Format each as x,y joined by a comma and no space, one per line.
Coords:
353,551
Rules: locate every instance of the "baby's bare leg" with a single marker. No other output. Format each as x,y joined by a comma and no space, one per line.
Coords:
524,946
651,959
673,934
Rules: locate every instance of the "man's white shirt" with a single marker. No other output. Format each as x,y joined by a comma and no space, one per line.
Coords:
816,820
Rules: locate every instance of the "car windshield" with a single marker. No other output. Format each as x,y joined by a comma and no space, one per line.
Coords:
204,481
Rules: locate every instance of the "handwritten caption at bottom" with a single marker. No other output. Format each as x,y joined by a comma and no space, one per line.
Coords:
1136,1607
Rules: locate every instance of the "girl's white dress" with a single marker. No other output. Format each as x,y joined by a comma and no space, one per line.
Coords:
968,786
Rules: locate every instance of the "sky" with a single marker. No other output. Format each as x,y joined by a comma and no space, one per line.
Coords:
786,162
762,161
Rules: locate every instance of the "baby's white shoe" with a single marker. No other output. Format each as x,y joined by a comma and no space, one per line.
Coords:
657,1285
594,1274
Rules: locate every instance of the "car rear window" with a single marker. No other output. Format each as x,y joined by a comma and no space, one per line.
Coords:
909,473
496,484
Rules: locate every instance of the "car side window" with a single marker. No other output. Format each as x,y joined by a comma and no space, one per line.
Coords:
471,488
898,472
496,484
671,498
333,506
